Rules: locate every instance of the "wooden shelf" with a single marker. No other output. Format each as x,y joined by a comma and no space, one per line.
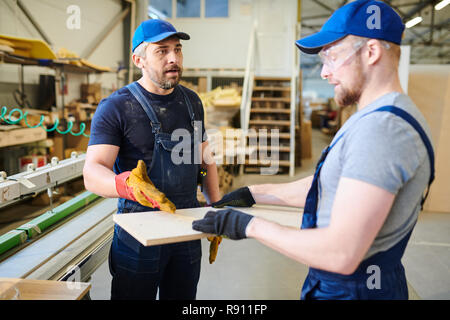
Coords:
270,110
273,93
272,79
65,65
272,99
271,88
281,135
21,136
270,148
271,122
281,163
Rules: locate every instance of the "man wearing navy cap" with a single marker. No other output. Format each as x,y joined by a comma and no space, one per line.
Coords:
362,202
134,154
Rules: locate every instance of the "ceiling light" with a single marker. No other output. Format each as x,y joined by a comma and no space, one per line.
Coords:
411,23
442,4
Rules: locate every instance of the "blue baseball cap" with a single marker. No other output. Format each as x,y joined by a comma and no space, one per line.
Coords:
155,30
364,18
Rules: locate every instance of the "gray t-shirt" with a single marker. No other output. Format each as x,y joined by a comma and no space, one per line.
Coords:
386,151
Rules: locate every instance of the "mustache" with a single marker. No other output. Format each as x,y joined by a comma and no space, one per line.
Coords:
173,68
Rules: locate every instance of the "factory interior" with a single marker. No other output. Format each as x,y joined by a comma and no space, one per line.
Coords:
61,60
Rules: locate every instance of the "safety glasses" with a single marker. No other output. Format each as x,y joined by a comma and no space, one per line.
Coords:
333,57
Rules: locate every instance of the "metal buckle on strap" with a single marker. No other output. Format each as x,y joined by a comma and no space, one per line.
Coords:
155,127
193,125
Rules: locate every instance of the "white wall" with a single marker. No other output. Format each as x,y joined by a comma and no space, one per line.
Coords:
52,15
223,42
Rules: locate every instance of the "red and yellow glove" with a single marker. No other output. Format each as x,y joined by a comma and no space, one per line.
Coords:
213,247
135,185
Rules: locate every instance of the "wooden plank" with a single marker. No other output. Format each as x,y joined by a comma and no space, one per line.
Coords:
28,289
271,148
270,110
272,79
271,122
281,163
155,228
22,136
274,99
271,88
281,135
429,88
306,140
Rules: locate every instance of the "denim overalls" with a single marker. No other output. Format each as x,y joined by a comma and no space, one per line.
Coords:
320,284
137,270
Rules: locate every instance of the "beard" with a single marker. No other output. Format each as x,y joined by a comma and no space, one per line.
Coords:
163,81
347,97
350,96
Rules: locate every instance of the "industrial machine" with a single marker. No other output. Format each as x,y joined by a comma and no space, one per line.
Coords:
68,242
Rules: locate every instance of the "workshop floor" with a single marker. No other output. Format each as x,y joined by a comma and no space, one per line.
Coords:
249,270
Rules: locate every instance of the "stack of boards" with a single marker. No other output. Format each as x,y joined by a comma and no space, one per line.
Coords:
28,48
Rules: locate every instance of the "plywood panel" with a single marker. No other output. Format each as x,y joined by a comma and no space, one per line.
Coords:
27,289
439,198
154,228
429,88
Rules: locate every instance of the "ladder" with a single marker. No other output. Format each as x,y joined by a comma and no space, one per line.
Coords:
269,112
271,126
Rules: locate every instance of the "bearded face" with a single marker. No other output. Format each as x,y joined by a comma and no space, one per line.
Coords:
162,63
167,78
349,93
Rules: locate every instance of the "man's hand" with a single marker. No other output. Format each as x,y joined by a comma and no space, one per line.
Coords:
228,222
135,185
241,197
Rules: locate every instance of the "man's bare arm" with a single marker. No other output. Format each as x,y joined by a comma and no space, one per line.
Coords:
211,182
98,175
291,194
358,213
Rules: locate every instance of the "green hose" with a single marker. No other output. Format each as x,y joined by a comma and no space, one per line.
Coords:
23,116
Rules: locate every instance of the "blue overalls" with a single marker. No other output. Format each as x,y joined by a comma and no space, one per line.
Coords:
320,284
138,270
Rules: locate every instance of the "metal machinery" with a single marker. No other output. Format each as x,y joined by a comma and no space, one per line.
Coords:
68,242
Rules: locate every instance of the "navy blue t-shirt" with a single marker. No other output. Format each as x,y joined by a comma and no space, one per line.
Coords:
121,121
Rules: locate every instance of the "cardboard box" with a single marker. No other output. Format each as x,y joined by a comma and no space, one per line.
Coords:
4,138
21,136
91,92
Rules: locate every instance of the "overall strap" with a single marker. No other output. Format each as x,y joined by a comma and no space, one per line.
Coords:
426,141
309,219
189,106
143,101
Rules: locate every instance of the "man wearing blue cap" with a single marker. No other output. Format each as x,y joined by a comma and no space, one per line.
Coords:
362,202
145,149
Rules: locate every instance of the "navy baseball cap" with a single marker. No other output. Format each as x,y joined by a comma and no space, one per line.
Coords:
364,18
155,30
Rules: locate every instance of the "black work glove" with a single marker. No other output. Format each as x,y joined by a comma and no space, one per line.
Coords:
228,222
241,197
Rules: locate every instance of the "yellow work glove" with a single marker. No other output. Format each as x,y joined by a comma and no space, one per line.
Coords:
135,185
213,247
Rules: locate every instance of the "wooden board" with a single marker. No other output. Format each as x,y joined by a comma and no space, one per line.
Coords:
155,228
429,88
32,48
27,289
